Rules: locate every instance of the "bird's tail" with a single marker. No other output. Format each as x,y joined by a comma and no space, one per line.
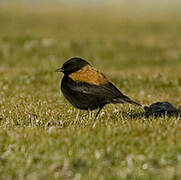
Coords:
133,102
126,99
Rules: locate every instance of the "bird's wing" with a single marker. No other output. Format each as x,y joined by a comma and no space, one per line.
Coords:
86,88
120,95
107,91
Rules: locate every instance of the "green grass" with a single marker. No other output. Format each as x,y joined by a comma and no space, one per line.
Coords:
43,137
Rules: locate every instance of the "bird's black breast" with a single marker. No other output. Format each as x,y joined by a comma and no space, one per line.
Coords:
75,93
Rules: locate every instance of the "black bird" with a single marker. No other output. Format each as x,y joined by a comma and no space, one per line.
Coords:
88,89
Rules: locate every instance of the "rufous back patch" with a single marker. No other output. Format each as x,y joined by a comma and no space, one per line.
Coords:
90,75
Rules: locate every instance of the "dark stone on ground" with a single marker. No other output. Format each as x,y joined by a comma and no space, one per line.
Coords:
161,109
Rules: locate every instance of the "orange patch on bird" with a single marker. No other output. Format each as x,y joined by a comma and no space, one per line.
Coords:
89,75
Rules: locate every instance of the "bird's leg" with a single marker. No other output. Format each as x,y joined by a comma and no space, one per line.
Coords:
100,108
94,125
77,116
98,112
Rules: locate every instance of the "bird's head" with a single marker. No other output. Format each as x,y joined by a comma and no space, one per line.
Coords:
72,65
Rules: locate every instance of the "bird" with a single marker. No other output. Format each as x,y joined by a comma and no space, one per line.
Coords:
87,88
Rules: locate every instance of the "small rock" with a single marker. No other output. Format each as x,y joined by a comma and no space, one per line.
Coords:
160,109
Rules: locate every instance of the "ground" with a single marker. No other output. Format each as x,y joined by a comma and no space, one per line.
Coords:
43,137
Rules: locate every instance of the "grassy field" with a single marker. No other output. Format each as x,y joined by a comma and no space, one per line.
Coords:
43,137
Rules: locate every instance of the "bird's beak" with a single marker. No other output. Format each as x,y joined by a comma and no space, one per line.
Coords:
59,70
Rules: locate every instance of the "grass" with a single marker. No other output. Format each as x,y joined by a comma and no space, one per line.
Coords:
43,137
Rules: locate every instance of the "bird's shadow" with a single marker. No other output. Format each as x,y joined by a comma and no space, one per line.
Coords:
134,115
148,112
